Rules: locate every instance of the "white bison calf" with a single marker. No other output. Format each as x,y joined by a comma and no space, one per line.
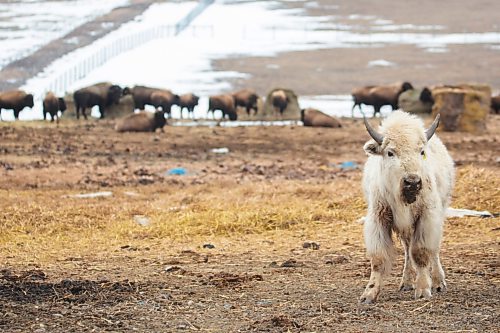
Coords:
407,182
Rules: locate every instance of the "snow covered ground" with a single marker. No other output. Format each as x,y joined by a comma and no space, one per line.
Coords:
26,25
235,29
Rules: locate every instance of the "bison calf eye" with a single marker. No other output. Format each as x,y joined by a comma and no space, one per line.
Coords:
390,154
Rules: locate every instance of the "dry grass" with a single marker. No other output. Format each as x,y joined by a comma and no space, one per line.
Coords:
41,224
478,189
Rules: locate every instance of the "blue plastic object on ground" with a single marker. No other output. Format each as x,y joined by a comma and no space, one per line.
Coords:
177,172
348,165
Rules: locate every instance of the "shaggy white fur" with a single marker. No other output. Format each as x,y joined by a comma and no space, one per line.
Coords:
407,182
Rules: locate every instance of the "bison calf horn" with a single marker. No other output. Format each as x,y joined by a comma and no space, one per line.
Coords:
373,133
430,131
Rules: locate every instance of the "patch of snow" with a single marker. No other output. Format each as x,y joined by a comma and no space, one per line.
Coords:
91,195
227,29
459,212
26,25
381,63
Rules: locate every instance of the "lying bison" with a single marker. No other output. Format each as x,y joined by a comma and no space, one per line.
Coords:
188,101
315,118
164,99
279,100
15,100
407,182
246,98
141,122
102,94
378,96
224,103
52,105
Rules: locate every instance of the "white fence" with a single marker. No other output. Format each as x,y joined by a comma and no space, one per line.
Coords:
75,72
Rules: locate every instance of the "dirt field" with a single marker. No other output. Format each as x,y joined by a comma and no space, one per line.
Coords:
222,248
87,265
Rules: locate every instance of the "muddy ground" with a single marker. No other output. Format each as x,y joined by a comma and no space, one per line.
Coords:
85,265
338,71
81,265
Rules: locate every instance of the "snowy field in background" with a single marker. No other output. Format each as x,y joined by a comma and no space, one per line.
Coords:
229,29
26,25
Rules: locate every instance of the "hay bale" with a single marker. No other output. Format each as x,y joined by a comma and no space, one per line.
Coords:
463,108
242,112
292,111
125,107
411,102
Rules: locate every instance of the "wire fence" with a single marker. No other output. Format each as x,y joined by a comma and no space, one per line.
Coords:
63,80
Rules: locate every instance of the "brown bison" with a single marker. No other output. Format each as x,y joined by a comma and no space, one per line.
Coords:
246,98
188,101
15,100
102,94
141,122
279,100
164,99
224,103
378,96
53,104
495,104
141,95
316,118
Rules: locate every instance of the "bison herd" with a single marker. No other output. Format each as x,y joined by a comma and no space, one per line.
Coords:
106,94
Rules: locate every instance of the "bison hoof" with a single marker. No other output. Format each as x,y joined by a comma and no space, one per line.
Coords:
369,296
423,293
405,287
366,300
441,287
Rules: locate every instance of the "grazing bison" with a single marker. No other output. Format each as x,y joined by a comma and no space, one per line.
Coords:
164,99
495,104
378,96
361,95
141,122
246,98
407,182
426,96
102,94
279,100
316,118
224,103
53,104
141,95
15,100
188,101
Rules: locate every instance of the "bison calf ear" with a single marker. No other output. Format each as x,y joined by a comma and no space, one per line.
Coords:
372,148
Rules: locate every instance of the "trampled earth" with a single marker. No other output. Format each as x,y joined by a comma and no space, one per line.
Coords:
263,238
87,264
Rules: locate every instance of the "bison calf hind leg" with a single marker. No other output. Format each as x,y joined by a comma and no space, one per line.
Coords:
408,272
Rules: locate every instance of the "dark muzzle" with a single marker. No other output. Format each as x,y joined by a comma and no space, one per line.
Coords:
412,184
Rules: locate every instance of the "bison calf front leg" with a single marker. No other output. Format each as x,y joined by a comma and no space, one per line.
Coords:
379,248
424,250
437,274
421,257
